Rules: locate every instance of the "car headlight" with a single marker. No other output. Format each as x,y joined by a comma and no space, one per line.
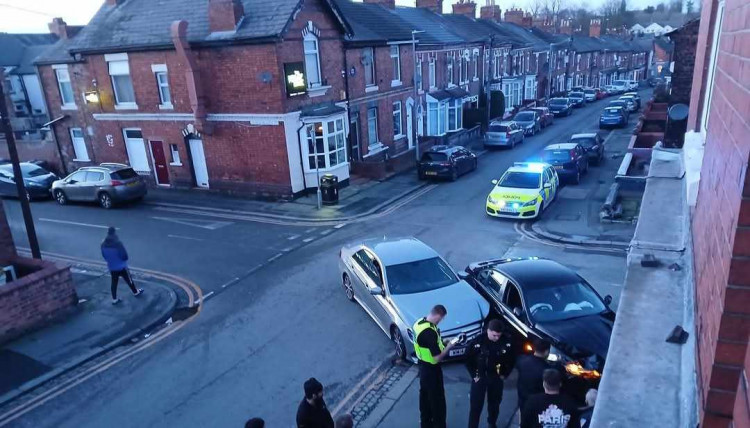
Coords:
576,369
529,203
492,200
33,184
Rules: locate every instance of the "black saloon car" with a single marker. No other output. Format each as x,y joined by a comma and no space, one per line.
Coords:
37,180
446,162
542,298
560,106
569,160
577,98
593,144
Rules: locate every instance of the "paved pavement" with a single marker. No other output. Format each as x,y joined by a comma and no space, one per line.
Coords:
273,313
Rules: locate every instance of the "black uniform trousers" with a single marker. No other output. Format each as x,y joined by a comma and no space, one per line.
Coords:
492,387
431,396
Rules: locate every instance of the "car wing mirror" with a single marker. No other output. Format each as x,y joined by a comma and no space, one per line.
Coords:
376,291
494,182
463,275
607,299
518,312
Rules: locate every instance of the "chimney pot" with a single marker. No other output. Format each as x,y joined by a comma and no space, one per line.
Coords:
223,15
434,5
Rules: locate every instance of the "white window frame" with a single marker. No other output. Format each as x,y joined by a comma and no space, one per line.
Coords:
373,85
310,37
475,63
420,75
65,104
449,69
396,65
111,59
79,146
397,111
715,43
141,151
339,136
174,151
455,107
464,65
432,74
372,142
162,87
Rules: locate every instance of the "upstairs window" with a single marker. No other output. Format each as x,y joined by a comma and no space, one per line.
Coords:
432,73
396,61
449,77
312,60
368,61
119,72
475,64
65,87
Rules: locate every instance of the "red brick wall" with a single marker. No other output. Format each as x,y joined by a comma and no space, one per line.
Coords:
35,150
685,44
35,299
721,238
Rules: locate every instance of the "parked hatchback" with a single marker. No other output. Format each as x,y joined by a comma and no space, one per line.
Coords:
547,118
593,144
503,134
529,121
590,95
560,106
613,116
37,181
446,162
636,97
568,159
107,184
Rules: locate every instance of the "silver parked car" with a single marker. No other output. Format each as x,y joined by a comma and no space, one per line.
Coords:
397,282
108,184
503,134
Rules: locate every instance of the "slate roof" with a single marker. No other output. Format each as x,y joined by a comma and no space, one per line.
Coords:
467,28
503,34
587,44
664,44
371,22
436,29
615,44
529,38
139,24
14,46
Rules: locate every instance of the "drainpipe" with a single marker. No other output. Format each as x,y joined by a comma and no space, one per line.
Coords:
192,76
302,160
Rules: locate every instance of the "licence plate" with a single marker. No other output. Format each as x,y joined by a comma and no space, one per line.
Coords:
507,210
456,352
430,173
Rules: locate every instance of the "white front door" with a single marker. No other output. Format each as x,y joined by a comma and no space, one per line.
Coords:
409,123
199,163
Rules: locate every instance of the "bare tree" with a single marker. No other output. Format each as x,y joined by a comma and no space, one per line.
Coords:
536,7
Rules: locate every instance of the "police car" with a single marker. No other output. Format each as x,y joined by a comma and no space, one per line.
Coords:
524,191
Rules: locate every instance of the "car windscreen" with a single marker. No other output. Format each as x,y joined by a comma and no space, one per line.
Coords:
498,128
124,174
31,170
576,95
525,116
419,276
619,83
434,157
585,141
556,155
561,302
520,180
619,103
589,91
558,102
611,112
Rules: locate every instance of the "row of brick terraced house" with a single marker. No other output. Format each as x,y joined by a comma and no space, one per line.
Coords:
243,97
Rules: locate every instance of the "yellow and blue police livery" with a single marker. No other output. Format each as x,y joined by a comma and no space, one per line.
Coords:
524,191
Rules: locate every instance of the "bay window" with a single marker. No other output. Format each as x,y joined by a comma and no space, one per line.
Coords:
455,113
326,144
432,118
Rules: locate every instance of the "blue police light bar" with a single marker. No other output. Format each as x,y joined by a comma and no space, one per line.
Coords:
535,166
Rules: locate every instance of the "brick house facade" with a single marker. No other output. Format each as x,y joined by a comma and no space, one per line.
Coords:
685,41
719,110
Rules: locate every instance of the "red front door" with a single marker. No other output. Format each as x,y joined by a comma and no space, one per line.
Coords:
160,162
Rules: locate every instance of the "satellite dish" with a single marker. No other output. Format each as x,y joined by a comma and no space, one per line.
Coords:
265,77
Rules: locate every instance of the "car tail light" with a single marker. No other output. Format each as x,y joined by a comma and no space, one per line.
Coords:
572,155
117,183
507,135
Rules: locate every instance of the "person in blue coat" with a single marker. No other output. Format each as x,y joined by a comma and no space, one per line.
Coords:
117,262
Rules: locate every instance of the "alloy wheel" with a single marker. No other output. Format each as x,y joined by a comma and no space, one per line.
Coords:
105,200
60,197
348,289
398,343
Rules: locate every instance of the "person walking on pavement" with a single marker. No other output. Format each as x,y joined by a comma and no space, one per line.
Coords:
588,412
490,360
550,409
530,370
117,262
430,351
312,411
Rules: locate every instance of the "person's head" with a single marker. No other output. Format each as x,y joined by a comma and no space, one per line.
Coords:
541,347
494,330
344,421
313,389
111,231
552,380
437,314
591,397
255,423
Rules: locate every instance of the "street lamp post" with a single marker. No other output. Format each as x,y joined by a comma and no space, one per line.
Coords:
417,102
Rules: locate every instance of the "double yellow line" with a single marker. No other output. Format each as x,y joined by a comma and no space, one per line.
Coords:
195,294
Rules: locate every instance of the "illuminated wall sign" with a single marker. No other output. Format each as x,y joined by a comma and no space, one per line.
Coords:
294,75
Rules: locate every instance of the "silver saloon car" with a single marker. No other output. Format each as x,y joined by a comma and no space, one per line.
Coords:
397,281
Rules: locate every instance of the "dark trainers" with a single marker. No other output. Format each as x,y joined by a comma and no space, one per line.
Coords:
138,293
115,301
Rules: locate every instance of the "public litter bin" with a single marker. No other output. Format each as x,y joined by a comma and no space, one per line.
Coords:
329,189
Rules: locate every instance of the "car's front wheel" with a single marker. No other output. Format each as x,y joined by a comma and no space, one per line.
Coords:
60,197
348,288
398,343
105,200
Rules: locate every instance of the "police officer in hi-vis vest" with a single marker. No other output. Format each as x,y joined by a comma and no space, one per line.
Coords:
430,351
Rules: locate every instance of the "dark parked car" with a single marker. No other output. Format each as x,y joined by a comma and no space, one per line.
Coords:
614,116
577,98
446,162
568,159
529,121
541,298
624,104
547,117
593,144
108,184
560,106
37,180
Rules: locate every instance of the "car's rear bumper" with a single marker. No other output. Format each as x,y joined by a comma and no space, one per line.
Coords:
436,172
129,193
489,140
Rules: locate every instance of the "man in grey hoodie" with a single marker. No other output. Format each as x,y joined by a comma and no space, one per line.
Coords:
117,262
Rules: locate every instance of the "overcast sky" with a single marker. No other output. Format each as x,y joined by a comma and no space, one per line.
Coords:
25,16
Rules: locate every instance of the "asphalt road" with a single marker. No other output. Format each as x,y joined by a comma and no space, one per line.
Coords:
270,324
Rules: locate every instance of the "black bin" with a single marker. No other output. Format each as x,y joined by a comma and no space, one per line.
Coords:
329,189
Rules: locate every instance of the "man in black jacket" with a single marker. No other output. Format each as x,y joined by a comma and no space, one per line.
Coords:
550,409
490,359
312,411
530,370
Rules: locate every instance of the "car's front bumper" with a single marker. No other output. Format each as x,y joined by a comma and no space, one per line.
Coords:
512,210
560,112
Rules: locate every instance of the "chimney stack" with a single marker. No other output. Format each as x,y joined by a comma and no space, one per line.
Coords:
466,8
390,4
595,28
565,27
515,16
59,28
434,5
527,21
223,15
491,12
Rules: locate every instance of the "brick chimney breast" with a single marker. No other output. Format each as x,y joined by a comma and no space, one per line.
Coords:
466,8
223,15
595,28
59,28
515,16
434,5
491,12
390,4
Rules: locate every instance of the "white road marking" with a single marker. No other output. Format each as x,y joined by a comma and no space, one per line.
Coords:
339,226
293,237
326,232
203,224
275,257
205,297
74,223
184,237
308,240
